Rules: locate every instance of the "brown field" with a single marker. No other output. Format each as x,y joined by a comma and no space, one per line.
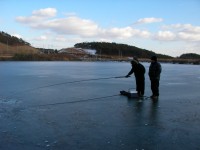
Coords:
9,51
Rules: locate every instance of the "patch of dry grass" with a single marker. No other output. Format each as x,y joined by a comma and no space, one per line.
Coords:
12,50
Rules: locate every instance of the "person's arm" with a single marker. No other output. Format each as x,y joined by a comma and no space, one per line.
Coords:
130,72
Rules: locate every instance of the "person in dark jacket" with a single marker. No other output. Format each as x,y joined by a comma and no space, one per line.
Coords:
154,75
139,72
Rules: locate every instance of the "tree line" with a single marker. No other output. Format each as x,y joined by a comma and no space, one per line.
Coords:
190,56
12,40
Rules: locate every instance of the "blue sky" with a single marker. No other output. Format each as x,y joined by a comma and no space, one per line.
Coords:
170,27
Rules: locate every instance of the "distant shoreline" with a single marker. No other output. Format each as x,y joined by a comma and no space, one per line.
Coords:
65,57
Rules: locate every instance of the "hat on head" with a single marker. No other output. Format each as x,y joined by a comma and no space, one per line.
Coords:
134,62
154,58
136,59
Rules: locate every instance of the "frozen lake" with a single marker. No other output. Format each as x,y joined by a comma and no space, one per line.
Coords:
76,105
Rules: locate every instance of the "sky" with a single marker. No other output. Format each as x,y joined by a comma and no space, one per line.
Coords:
170,27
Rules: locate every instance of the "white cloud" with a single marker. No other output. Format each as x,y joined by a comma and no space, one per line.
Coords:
47,12
125,33
67,40
165,36
72,29
149,20
37,16
120,33
184,27
28,20
41,38
145,34
73,25
189,36
185,32
60,39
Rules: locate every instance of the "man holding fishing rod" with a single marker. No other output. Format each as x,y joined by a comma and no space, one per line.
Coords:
139,72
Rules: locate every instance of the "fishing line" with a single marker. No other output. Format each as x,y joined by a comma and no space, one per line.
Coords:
69,82
71,102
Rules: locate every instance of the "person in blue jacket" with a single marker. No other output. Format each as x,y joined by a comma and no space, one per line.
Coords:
139,71
154,75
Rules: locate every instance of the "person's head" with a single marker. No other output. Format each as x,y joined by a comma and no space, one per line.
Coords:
134,62
136,59
154,58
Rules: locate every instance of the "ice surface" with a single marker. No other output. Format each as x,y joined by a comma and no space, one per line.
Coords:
42,108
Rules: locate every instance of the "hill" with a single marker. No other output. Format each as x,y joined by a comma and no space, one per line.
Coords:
12,40
114,49
11,45
190,56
